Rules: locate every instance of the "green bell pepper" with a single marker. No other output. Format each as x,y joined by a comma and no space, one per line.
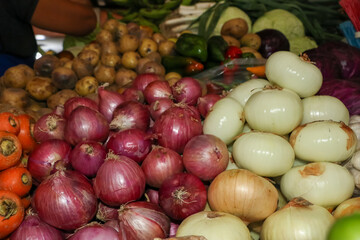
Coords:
192,45
216,48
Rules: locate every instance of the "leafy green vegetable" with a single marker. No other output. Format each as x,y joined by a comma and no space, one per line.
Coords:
301,44
72,41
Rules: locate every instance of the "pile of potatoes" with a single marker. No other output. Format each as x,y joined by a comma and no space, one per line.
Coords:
119,53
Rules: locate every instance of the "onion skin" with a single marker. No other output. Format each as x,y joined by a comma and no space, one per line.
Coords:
205,156
95,231
105,213
70,200
75,102
206,102
244,194
142,80
108,101
48,157
87,157
133,143
119,180
176,126
181,195
160,164
157,90
187,90
86,124
159,106
133,94
142,221
49,126
130,114
32,227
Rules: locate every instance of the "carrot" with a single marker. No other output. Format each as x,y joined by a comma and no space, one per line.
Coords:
10,150
17,180
26,201
9,123
257,70
25,134
11,213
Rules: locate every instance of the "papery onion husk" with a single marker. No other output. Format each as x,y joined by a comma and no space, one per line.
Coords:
205,156
299,219
94,231
106,213
130,114
48,157
119,180
32,227
161,163
49,126
87,157
214,226
133,143
254,201
142,221
86,124
181,195
65,200
176,126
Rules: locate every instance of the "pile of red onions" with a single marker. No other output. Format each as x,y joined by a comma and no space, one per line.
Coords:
95,231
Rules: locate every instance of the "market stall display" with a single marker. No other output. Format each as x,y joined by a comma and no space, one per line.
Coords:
225,122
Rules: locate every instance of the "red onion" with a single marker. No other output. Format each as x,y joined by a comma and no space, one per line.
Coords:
133,94
49,126
130,114
113,223
59,110
159,106
156,90
86,124
142,221
32,227
182,195
205,156
119,180
187,90
173,229
108,101
152,195
105,213
87,157
160,164
75,102
176,126
206,102
143,79
95,231
133,143
65,200
49,157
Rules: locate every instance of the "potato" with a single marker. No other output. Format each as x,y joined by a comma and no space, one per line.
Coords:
104,36
104,74
166,48
65,54
128,43
68,64
133,28
231,41
86,85
44,65
158,37
60,97
236,27
110,25
64,78
153,67
111,60
253,51
108,48
251,40
125,77
145,32
18,76
93,46
15,97
82,68
89,56
141,63
130,59
40,88
120,31
154,56
147,46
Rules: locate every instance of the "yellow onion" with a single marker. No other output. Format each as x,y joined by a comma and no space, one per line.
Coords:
347,207
244,194
298,220
214,226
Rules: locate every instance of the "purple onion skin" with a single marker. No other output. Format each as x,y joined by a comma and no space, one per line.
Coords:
49,126
32,227
66,200
95,232
272,41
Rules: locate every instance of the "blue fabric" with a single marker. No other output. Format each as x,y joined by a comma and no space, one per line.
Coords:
7,61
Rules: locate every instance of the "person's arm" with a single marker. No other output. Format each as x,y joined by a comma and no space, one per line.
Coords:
73,17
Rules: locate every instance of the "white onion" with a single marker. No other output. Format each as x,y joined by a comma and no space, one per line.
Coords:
347,207
225,120
274,110
244,90
323,141
324,183
324,107
265,154
288,70
299,219
214,226
354,124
